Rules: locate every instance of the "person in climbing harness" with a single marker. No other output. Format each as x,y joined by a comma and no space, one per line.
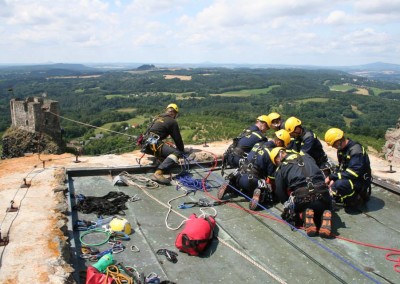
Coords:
281,139
306,141
300,186
350,184
256,174
242,144
276,121
162,126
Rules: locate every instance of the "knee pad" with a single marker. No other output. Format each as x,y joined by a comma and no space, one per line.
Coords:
173,157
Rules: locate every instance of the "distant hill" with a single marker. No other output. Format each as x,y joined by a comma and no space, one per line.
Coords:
46,67
376,66
44,70
146,67
376,70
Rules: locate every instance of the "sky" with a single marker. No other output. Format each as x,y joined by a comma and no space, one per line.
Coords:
294,32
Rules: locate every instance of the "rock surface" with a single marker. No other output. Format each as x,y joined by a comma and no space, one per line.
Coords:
391,149
38,248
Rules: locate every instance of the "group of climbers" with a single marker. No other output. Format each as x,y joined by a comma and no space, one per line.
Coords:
291,167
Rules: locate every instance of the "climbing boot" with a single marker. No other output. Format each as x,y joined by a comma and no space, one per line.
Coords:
158,177
326,224
255,200
309,224
223,190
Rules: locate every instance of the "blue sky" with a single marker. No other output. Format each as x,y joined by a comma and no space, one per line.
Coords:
307,32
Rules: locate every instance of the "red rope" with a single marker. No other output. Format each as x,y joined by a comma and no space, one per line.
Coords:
392,251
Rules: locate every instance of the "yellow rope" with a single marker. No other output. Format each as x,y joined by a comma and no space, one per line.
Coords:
119,278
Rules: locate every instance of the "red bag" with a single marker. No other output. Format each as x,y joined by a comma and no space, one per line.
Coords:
93,276
196,235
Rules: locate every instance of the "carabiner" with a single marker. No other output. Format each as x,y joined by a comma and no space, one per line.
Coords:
134,248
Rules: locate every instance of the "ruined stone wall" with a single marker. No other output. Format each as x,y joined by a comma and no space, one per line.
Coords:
34,114
391,149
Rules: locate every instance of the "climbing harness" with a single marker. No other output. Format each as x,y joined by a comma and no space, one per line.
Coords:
110,204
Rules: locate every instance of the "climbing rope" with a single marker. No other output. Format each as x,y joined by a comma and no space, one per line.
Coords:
246,257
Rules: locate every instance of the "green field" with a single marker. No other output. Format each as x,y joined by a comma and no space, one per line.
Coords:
341,88
128,109
377,91
246,92
356,110
137,120
345,88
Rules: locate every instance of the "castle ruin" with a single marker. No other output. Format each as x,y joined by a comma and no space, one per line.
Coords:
35,128
35,114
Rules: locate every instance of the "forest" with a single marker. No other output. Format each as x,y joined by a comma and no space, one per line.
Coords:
215,103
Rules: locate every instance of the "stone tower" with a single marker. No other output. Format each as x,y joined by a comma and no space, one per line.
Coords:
36,115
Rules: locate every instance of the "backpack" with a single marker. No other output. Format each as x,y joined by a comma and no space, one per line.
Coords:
196,235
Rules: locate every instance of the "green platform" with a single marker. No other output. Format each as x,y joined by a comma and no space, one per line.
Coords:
262,244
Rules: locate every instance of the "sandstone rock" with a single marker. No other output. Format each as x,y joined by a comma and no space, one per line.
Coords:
391,149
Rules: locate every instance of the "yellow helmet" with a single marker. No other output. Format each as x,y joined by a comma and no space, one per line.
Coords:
118,224
274,152
284,136
333,135
274,115
291,123
174,106
264,118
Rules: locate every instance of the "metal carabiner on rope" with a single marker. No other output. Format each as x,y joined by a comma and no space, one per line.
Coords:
134,198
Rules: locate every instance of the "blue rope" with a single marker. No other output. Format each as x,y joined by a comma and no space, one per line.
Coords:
339,257
187,180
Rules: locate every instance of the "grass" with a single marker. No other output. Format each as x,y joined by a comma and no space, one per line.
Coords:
341,88
246,92
356,110
361,91
128,109
377,144
79,91
348,121
137,120
377,91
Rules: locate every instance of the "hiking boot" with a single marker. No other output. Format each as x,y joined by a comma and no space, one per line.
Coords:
158,177
255,200
309,224
326,225
223,190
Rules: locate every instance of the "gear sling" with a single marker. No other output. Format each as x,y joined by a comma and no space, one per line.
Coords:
311,192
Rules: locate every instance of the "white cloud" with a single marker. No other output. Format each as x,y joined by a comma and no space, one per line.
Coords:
337,17
256,31
378,7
